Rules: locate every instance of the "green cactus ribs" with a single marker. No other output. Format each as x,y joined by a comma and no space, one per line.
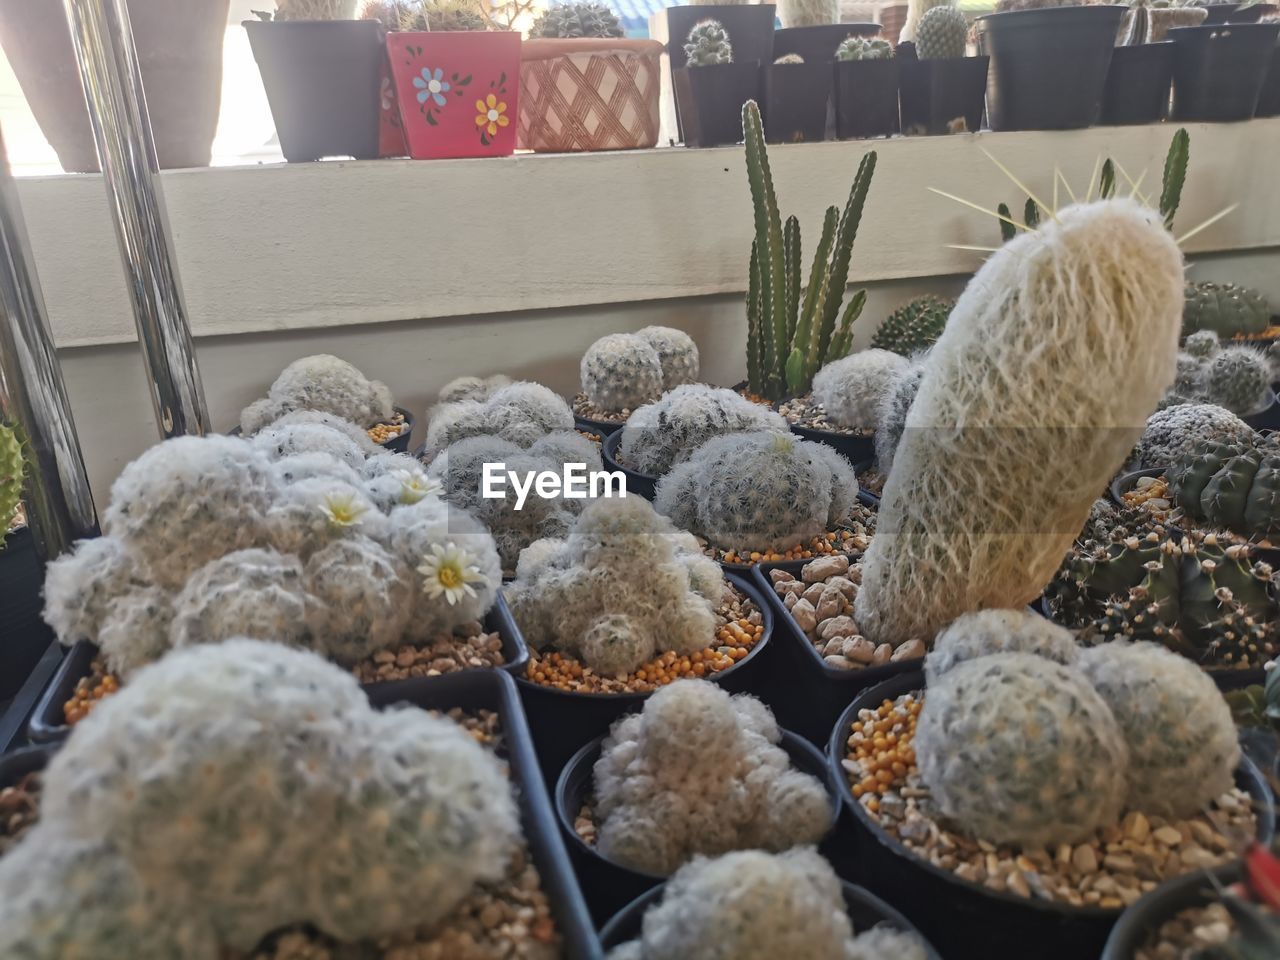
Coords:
11,470
916,325
1232,486
1226,309
577,20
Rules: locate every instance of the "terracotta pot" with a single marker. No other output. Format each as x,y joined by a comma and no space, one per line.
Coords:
589,94
179,45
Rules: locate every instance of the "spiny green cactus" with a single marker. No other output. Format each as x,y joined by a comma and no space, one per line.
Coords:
916,325
789,338
708,44
10,477
1239,379
584,19
942,34
310,10
443,16
1233,486
1224,308
864,48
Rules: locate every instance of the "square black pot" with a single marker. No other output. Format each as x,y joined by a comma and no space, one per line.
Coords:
796,99
1218,71
710,99
942,96
866,97
1137,89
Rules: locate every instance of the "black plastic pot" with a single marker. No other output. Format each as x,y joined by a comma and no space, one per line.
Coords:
48,723
942,96
563,721
1138,80
397,444
322,79
1236,13
1048,66
966,920
817,44
1127,481
24,637
1150,912
1269,98
853,447
866,98
866,496
709,100
1268,418
865,910
1218,71
17,712
609,885
638,484
602,428
796,101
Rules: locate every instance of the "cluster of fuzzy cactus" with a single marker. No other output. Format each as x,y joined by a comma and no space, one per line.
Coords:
517,412
914,326
662,435
292,535
622,586
583,19
708,44
852,388
1226,309
622,371
763,491
700,772
230,791
757,904
1025,739
864,48
11,472
1231,486
1237,377
1177,430
323,384
942,34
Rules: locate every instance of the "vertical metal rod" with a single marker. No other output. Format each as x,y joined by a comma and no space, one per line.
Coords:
112,81
32,395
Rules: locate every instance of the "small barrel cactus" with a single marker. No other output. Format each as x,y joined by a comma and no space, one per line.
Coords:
11,469
519,412
1203,344
312,10
891,414
1176,431
864,48
708,44
942,34
984,632
1225,309
323,383
1018,749
472,388
582,19
621,371
808,13
1183,746
677,353
915,326
851,389
1239,379
1232,486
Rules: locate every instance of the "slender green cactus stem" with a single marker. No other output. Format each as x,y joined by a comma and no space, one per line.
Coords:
754,382
1007,230
1175,175
1107,181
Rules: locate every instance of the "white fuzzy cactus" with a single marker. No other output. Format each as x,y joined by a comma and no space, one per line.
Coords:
308,515
677,353
984,632
758,491
519,412
891,414
1018,749
883,942
471,388
660,435
325,384
80,585
1057,351
851,389
309,466
1175,431
279,441
621,559
1183,747
397,479
361,598
621,371
700,772
214,816
136,630
356,434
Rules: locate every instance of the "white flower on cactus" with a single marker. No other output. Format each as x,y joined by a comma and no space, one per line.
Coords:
416,485
449,570
343,509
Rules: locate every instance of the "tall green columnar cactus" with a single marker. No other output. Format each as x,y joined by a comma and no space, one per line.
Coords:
1175,175
10,477
789,340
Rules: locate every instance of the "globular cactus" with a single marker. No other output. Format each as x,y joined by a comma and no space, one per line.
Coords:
81,585
621,559
310,514
808,13
221,810
472,388
851,389
1231,486
313,465
360,599
758,491
708,44
891,414
1224,308
986,632
864,48
916,9
1018,749
1175,431
357,435
519,412
448,16
311,10
580,19
1239,379
621,371
942,34
789,58
700,772
1203,344
1183,747
914,326
1017,395
660,435
397,479
11,469
322,383
677,353
289,440
136,630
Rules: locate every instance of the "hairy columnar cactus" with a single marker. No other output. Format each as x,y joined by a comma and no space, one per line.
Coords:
864,48
1239,379
808,13
1017,395
915,326
942,34
584,19
1226,309
621,371
1232,486
708,44
11,469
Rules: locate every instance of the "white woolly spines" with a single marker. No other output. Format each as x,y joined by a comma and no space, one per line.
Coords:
356,434
985,632
660,435
230,799
750,904
80,585
190,500
1183,747
471,388
1057,351
519,412
1017,749
852,388
288,440
325,384
310,514
891,415
621,371
677,353
887,943
758,491
1173,432
136,629
621,560
397,479
361,599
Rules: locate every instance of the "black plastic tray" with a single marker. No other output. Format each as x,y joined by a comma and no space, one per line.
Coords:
851,446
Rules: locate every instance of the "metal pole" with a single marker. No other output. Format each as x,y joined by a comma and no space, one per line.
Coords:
32,395
112,83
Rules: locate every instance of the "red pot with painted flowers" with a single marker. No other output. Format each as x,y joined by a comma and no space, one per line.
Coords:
458,92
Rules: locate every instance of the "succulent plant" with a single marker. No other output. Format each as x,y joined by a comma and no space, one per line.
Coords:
864,48
916,9
310,10
788,58
891,414
1231,486
519,412
677,353
472,388
708,44
1224,308
1175,431
1183,747
1007,389
914,326
808,13
580,19
280,441
883,941
1203,344
11,472
852,388
322,383
762,490
81,585
621,371
790,337
1239,379
1018,749
986,632
444,16
942,34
